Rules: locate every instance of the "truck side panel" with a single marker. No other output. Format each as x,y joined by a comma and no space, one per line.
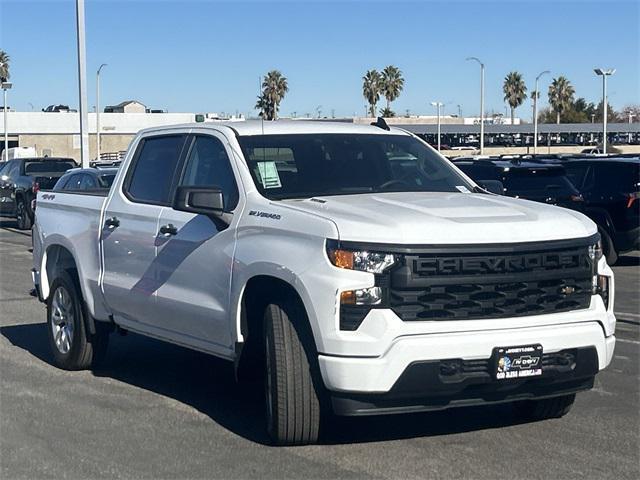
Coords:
70,224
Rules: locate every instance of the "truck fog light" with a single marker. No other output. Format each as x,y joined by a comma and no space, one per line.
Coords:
602,289
365,296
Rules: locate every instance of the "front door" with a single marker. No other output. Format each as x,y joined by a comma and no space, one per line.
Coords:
129,234
195,253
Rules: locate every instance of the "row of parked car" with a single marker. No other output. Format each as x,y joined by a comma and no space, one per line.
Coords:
606,189
603,188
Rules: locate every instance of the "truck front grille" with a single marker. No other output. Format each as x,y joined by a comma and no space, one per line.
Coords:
490,300
463,285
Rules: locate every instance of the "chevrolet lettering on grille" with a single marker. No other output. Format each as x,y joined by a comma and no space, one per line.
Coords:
497,264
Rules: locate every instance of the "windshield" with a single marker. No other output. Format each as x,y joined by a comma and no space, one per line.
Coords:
47,166
309,165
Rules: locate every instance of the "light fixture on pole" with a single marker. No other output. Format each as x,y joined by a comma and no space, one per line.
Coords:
438,105
604,73
536,95
82,84
481,102
98,111
5,153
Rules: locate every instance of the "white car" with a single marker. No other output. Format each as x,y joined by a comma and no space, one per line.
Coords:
353,265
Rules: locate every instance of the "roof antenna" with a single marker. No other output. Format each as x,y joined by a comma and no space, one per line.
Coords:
380,123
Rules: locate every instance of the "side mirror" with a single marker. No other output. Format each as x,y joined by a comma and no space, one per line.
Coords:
493,186
204,200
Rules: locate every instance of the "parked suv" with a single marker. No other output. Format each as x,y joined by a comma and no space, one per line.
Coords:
351,267
20,180
610,187
527,179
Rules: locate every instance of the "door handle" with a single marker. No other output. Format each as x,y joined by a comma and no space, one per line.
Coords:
111,223
169,229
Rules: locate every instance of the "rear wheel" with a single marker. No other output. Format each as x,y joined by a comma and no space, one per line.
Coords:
292,395
546,408
22,215
73,347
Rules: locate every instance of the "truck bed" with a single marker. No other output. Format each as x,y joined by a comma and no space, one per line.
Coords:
75,220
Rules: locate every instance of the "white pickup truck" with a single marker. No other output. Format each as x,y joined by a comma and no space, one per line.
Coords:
353,266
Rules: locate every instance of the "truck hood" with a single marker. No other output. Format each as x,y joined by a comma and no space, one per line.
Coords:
445,218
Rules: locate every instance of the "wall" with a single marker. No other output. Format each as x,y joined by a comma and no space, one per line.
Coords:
62,145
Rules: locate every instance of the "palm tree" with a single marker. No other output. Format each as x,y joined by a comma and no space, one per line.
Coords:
4,66
392,84
274,87
371,88
560,95
515,91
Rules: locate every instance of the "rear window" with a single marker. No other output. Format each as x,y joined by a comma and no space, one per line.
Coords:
154,169
47,166
618,177
106,180
537,182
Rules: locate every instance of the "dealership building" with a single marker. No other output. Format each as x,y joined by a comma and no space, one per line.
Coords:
58,133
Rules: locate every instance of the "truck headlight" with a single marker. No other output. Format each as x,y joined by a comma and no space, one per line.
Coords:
595,253
362,260
599,283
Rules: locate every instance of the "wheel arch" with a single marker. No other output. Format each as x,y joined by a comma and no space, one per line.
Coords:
58,258
257,292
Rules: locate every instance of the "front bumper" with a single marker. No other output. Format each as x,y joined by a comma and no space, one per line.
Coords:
430,385
407,376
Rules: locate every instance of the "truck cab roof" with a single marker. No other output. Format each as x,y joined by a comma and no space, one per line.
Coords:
282,127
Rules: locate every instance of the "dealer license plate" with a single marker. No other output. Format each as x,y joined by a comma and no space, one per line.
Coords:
517,362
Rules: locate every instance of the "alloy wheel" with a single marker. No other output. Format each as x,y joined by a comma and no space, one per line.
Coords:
62,319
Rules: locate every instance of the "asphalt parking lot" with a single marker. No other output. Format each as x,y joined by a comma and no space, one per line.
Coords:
155,410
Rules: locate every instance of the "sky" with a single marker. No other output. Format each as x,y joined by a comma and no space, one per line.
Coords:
207,56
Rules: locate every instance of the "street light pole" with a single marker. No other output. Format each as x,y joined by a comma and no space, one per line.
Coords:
481,102
98,111
604,73
535,113
5,153
82,84
438,105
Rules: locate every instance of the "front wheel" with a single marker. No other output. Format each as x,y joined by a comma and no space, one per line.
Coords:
546,408
292,396
73,347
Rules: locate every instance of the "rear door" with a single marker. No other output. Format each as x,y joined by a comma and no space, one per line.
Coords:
195,254
129,235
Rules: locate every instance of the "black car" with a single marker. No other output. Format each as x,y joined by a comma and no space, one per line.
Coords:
86,180
530,180
610,187
20,180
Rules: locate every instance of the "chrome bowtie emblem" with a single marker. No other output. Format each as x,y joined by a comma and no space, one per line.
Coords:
567,290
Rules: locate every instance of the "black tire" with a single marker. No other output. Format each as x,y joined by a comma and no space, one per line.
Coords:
608,248
23,218
555,407
292,382
81,350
